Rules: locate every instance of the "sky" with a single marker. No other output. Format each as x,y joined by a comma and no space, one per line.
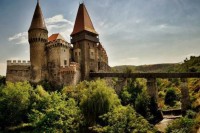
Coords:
133,32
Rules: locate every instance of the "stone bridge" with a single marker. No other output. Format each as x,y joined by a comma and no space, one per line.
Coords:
151,82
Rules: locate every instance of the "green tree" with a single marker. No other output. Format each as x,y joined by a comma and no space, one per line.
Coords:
182,125
123,119
171,97
97,99
2,80
148,108
130,92
51,112
142,104
14,103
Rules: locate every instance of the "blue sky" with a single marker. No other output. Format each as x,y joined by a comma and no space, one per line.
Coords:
133,32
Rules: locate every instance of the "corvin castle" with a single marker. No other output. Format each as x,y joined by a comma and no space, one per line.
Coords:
54,59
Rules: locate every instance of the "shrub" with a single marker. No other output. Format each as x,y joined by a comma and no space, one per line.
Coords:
14,103
123,119
53,113
97,99
171,97
182,125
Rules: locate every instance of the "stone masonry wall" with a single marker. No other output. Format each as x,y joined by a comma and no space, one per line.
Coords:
18,71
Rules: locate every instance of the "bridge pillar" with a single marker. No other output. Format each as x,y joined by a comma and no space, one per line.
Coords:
152,88
121,83
185,98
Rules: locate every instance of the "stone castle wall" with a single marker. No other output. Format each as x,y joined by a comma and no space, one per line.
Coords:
58,53
18,71
70,75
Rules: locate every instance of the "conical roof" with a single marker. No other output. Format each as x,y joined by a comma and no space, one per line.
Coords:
83,21
38,19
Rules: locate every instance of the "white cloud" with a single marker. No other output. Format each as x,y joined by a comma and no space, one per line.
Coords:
55,24
19,38
57,19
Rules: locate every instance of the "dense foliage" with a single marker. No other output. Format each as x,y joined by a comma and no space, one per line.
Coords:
52,112
171,97
187,124
97,100
88,107
123,119
14,103
135,94
2,80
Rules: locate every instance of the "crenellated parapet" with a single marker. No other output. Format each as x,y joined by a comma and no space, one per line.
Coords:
75,64
18,62
18,70
58,43
71,69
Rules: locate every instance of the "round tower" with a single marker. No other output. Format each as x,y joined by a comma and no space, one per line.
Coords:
38,37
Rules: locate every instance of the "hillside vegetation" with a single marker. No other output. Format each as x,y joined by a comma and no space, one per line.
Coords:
188,65
147,68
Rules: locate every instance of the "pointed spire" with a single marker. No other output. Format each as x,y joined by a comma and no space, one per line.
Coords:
38,19
83,21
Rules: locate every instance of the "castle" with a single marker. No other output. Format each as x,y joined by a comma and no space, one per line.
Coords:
54,59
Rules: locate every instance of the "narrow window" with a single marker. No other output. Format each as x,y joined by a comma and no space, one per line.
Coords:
65,62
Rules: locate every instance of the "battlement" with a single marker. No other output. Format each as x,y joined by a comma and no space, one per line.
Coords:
18,62
75,64
71,69
58,43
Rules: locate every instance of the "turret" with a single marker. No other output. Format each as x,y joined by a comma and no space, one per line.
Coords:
85,40
38,37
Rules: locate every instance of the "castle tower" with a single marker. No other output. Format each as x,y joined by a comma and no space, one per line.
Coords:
58,56
85,40
38,37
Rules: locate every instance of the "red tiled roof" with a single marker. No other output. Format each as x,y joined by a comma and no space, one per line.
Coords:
83,21
54,37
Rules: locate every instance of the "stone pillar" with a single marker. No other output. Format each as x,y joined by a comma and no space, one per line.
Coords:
185,98
121,83
152,88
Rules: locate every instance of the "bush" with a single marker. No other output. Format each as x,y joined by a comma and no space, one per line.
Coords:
52,113
123,119
171,97
130,92
142,104
14,103
148,108
2,80
182,125
97,99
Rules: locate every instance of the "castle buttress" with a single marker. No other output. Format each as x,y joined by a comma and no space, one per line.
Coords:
54,59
